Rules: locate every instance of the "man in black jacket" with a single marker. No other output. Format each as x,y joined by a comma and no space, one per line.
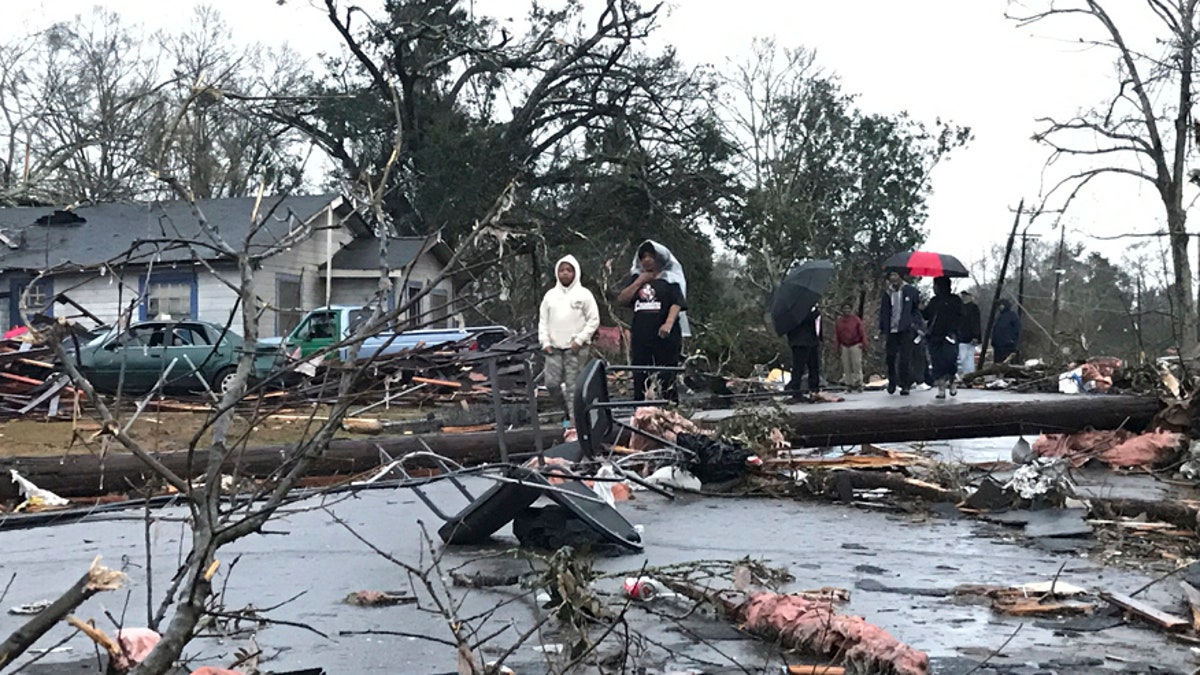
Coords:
898,318
805,341
970,332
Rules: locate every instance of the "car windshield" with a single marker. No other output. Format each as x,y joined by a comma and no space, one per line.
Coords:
101,338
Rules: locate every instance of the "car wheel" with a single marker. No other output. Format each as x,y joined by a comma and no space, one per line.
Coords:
223,380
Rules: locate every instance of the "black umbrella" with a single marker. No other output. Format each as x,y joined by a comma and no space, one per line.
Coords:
925,264
801,289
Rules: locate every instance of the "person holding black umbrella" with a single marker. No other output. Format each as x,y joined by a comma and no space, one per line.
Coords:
805,341
898,319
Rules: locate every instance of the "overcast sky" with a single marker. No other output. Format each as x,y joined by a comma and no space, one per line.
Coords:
958,60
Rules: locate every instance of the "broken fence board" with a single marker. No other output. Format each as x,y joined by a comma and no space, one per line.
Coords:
443,383
1144,611
1193,598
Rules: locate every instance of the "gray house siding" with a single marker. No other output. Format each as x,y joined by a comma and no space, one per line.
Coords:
88,250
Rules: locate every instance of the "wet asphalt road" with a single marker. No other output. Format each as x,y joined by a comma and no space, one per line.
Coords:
306,553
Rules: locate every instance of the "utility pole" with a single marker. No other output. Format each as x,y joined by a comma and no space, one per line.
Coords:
1025,236
1058,275
987,329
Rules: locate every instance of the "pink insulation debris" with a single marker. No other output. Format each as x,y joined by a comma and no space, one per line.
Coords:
1118,448
136,644
663,423
812,626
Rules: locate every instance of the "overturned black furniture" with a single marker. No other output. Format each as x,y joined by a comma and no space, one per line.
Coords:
550,475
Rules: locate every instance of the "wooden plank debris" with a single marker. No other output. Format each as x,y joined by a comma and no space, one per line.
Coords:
1193,598
1143,611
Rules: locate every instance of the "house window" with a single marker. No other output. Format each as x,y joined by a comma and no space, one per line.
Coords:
39,299
412,316
439,308
35,297
287,300
169,297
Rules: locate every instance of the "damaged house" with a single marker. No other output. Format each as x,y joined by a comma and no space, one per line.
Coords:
151,260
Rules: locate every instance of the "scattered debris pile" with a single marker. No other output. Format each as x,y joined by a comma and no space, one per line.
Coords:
1117,449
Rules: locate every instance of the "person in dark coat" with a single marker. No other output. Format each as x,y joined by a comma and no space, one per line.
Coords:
655,337
1006,332
898,321
805,341
944,316
970,332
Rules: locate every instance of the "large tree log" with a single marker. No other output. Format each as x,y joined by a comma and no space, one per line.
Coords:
939,420
88,476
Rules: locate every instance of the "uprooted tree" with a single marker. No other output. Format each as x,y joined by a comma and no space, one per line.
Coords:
611,143
1145,130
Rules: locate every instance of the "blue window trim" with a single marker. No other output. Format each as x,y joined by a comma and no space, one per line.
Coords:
170,277
16,286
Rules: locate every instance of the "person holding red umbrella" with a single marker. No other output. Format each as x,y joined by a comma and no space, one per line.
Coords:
944,314
898,319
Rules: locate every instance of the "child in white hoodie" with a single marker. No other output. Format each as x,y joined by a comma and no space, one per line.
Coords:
568,319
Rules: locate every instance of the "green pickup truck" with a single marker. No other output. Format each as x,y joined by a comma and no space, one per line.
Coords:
324,327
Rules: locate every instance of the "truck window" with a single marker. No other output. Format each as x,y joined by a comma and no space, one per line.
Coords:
318,326
357,318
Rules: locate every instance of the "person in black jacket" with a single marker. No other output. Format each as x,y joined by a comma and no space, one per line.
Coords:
944,314
805,341
1006,332
969,333
898,319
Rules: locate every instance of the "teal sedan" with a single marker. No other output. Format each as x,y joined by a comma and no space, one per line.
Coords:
133,360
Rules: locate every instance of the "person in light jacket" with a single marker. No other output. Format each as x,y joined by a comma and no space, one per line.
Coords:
899,319
567,321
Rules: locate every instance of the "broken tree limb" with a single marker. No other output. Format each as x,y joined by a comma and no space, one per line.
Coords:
98,578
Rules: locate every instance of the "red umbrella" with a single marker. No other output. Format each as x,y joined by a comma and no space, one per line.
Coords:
925,264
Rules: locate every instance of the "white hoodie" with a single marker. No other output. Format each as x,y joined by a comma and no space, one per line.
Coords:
569,313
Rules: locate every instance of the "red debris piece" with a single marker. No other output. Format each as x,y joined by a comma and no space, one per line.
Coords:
1118,449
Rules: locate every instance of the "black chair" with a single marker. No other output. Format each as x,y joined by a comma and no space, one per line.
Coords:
521,486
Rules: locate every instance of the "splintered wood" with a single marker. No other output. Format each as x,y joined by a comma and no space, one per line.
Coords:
1147,613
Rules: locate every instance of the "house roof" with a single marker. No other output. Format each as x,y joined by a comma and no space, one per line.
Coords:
363,254
40,238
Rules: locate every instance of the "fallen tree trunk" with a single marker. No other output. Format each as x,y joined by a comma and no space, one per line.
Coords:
1184,514
939,420
839,481
77,476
